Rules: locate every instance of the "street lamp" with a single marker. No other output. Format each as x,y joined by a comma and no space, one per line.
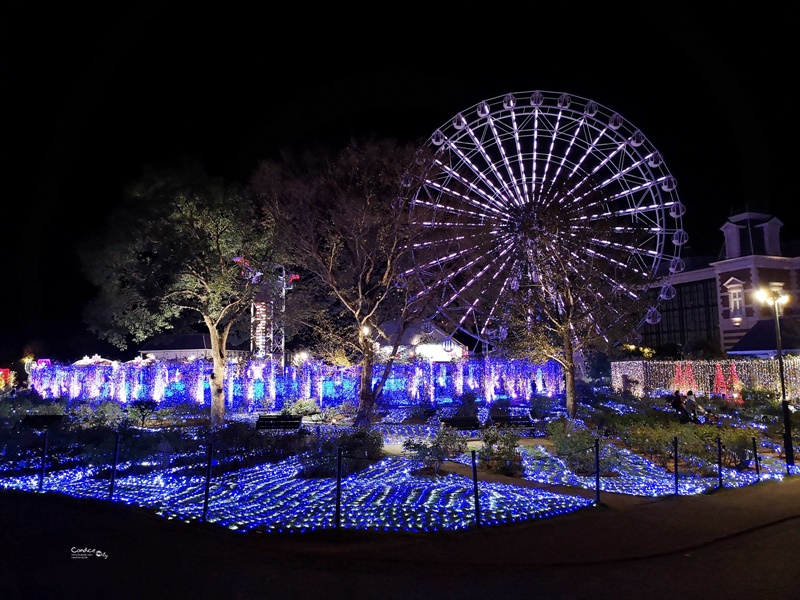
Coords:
776,297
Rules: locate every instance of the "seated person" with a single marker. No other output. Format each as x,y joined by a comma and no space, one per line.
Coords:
693,407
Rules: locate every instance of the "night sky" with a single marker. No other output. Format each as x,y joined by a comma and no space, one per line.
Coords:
91,97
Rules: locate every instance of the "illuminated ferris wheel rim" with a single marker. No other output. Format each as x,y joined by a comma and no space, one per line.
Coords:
512,151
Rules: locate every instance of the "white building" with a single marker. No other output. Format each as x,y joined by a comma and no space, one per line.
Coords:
191,346
420,340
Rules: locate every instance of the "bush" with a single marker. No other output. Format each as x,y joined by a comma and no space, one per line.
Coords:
301,408
757,399
541,406
360,448
446,444
88,415
737,446
468,405
110,414
500,406
336,414
574,444
141,411
499,451
654,442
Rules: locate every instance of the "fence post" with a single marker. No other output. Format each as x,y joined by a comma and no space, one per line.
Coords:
210,451
114,468
597,471
719,460
755,458
675,448
338,487
44,458
475,488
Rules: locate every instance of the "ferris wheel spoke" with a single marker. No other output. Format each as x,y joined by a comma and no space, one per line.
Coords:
512,187
454,201
493,193
548,173
524,193
481,148
471,281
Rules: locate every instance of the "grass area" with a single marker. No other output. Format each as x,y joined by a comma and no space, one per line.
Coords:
296,481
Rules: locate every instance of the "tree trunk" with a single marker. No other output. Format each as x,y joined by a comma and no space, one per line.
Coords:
366,396
217,382
569,377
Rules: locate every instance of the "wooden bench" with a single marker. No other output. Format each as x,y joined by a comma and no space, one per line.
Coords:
462,423
42,421
278,422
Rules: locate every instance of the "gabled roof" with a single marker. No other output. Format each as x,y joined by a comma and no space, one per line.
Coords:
761,338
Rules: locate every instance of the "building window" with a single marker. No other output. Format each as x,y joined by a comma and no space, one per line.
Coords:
735,289
737,302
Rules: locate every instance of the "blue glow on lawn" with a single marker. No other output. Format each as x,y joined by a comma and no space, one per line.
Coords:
269,498
386,496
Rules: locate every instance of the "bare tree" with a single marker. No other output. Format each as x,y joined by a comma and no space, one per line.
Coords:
579,286
348,219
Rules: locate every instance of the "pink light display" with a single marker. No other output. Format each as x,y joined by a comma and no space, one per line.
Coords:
720,387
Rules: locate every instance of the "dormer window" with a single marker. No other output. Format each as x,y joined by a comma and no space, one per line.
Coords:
735,289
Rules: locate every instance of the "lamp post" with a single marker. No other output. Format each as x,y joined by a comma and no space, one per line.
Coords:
776,298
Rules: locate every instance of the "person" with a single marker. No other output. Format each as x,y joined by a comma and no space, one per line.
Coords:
692,407
677,401
680,408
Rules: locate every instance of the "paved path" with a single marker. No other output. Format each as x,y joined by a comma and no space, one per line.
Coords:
731,543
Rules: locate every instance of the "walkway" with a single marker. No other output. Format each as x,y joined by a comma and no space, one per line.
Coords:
732,543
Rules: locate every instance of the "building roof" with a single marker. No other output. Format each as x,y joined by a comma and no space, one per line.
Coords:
414,334
760,340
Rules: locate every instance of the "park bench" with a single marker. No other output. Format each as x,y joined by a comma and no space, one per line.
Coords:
42,421
462,423
278,422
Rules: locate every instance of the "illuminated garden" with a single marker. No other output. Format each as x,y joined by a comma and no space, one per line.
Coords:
572,254
247,479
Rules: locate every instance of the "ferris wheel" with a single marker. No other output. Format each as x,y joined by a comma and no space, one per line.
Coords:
507,166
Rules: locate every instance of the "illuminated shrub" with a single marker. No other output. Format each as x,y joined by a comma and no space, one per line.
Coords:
572,443
445,445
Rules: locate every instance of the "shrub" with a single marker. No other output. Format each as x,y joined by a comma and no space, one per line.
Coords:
737,445
654,442
91,415
468,405
360,448
335,414
81,416
301,408
446,444
758,399
500,406
574,444
499,451
110,414
141,411
541,406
